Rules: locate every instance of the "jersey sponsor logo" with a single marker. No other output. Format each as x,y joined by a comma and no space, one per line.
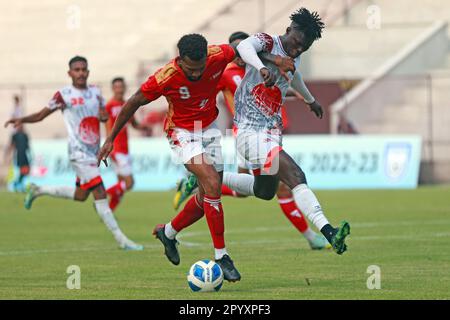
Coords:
268,99
216,75
89,130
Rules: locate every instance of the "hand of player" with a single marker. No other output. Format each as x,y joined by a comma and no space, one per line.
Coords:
269,77
285,65
15,122
103,115
317,109
104,152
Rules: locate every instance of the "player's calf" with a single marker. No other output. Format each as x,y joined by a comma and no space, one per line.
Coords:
292,175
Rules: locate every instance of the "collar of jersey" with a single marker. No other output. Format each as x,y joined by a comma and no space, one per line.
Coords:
281,45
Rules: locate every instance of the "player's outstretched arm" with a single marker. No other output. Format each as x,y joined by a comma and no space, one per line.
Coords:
32,118
299,85
248,50
284,64
129,108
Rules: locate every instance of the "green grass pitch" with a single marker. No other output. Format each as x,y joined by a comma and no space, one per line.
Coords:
406,233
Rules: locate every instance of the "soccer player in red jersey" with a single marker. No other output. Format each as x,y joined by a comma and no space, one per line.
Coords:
189,83
120,154
230,80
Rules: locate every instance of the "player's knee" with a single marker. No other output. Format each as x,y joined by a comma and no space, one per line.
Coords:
284,191
212,185
81,195
264,193
129,183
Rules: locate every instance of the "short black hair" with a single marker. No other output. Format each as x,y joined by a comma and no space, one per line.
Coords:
308,22
77,59
193,46
116,79
238,35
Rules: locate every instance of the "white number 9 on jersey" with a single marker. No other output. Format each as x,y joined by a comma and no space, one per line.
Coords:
184,93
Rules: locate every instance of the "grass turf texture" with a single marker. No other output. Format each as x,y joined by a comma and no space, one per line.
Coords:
405,233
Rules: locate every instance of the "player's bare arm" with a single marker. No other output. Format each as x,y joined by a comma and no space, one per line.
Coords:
299,86
284,64
128,110
32,118
108,127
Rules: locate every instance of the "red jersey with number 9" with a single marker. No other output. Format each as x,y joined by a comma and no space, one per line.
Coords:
191,103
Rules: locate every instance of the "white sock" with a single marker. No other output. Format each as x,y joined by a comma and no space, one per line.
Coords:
219,253
169,231
105,213
307,202
57,191
309,234
242,183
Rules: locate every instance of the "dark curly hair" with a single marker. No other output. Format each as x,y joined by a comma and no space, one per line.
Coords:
308,22
193,46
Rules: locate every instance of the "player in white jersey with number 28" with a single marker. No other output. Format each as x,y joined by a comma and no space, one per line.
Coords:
83,108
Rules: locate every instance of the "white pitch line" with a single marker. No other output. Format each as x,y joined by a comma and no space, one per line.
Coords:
184,235
69,250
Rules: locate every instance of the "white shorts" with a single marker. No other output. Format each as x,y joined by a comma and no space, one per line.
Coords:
258,149
122,164
241,162
88,174
187,144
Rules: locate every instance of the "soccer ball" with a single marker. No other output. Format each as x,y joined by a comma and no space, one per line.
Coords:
205,276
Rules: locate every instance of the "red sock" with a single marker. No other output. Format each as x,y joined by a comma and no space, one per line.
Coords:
226,191
191,212
214,217
293,213
115,193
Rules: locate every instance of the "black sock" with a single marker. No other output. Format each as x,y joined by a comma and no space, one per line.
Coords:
328,232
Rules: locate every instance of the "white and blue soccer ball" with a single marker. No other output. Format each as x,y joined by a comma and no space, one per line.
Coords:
205,276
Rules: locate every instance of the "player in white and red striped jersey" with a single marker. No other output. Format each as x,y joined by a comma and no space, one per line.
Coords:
82,108
259,121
